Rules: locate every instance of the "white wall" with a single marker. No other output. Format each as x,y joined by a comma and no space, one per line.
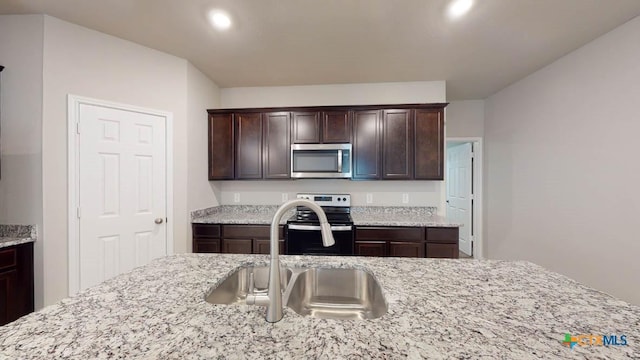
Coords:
337,94
21,39
562,165
202,94
84,62
421,193
465,118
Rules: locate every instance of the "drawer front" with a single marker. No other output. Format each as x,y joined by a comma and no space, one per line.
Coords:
206,230
8,258
390,233
442,235
249,231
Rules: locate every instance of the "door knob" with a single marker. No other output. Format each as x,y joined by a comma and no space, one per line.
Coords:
158,221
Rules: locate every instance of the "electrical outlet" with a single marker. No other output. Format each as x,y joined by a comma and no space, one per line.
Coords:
236,197
405,198
285,197
369,198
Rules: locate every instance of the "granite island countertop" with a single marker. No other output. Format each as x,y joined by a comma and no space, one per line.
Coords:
362,216
11,235
436,309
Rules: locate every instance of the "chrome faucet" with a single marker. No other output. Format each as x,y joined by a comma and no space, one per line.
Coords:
273,299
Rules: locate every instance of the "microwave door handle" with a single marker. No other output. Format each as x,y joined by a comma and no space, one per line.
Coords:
340,160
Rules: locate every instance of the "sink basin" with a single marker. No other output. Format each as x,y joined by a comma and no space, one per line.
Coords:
234,289
337,294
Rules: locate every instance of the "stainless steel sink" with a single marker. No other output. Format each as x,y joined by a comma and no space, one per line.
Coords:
336,294
234,289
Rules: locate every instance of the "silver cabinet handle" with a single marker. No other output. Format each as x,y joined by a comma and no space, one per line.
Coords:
158,221
317,227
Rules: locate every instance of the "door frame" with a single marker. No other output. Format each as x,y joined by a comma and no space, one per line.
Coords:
477,183
73,187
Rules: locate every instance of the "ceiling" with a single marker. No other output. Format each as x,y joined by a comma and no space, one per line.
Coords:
304,42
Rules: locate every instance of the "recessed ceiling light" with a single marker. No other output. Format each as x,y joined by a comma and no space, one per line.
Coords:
458,8
219,19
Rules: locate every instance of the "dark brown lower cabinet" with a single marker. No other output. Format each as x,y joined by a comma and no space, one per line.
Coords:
429,242
442,242
406,249
16,282
234,239
371,248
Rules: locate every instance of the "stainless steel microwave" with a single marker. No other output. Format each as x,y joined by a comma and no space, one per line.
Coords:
331,161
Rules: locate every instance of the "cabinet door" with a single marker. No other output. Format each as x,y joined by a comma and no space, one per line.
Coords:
366,145
248,146
8,283
449,251
263,246
221,147
206,245
397,144
277,149
371,248
406,249
306,127
336,127
429,144
236,246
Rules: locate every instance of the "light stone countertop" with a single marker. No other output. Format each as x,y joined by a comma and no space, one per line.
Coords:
362,216
437,309
11,235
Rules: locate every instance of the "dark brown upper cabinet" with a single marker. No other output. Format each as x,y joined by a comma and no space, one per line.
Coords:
429,144
221,147
305,127
366,145
336,127
397,144
321,127
389,142
248,146
277,149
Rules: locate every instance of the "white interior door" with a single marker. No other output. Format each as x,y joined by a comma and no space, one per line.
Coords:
459,192
122,191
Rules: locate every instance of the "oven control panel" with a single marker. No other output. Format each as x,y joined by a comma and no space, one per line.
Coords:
328,199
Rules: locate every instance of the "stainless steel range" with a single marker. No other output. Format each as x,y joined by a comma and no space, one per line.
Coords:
303,229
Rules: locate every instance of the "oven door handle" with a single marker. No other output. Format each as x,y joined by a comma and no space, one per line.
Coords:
317,227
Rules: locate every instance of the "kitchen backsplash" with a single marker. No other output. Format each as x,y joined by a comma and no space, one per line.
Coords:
363,193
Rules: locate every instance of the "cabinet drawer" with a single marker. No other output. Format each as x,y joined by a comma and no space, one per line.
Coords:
8,258
206,230
249,231
390,233
442,235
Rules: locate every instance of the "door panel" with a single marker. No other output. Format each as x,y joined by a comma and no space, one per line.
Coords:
277,149
459,190
366,145
397,144
249,146
122,191
429,144
221,147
